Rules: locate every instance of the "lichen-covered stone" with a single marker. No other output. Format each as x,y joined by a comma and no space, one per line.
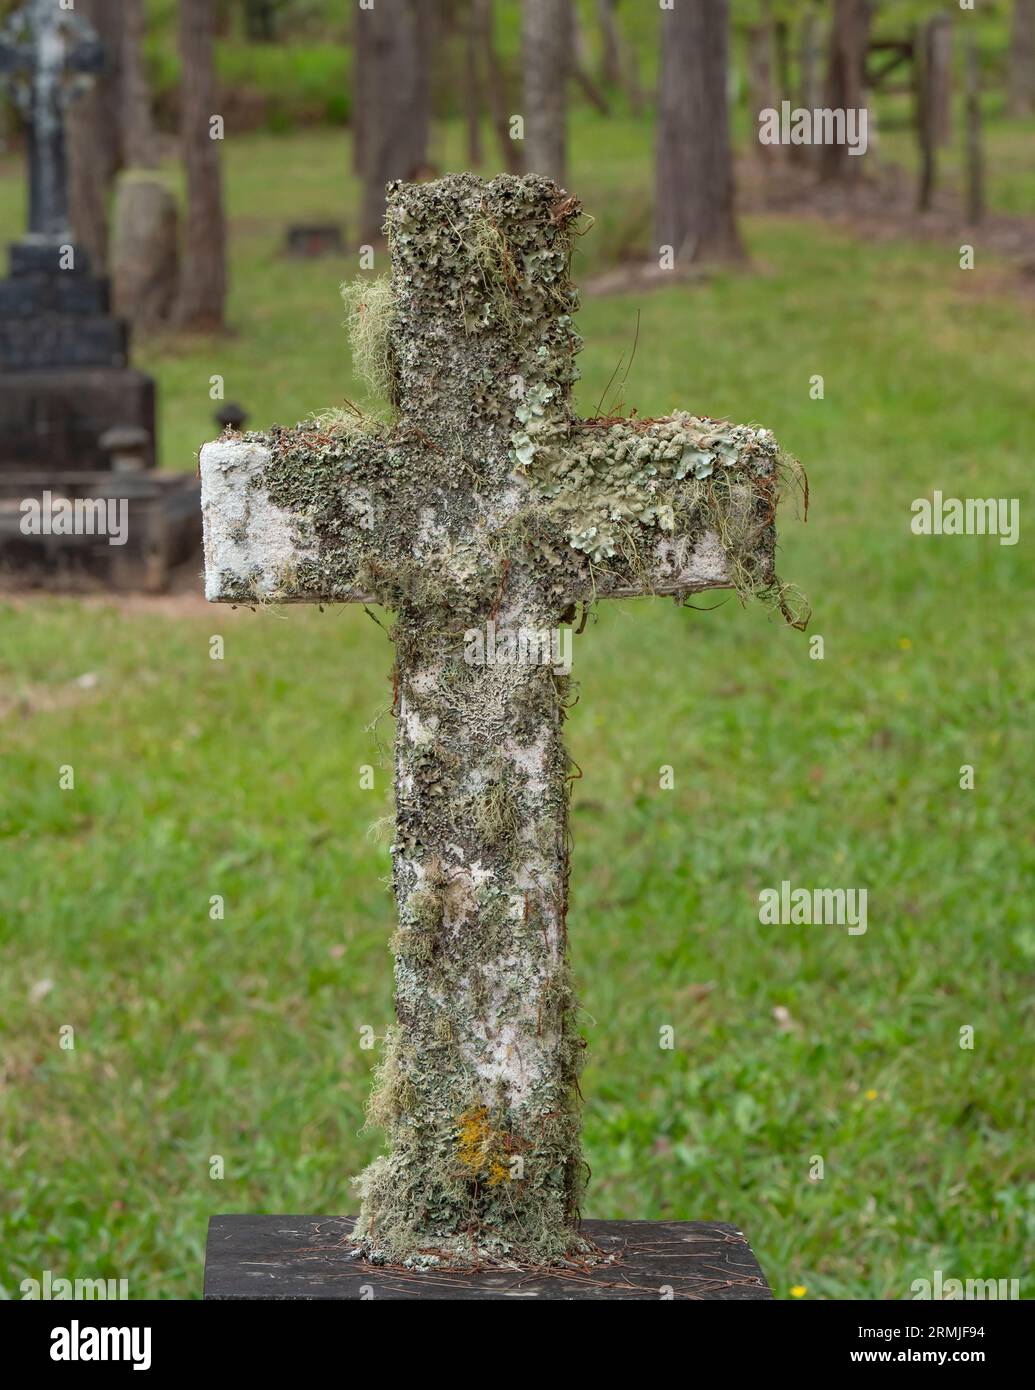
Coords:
482,497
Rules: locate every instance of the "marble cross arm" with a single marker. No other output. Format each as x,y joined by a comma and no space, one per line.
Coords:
668,506
259,547
691,485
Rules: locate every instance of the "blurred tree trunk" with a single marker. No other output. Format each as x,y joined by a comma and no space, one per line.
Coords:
809,85
472,87
694,163
761,85
611,63
395,44
94,136
782,58
932,69
974,153
202,293
546,50
941,34
924,114
845,88
510,150
579,65
1022,59
809,61
138,133
631,72
358,104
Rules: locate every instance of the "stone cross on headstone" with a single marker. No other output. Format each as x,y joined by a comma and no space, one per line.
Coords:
46,50
483,515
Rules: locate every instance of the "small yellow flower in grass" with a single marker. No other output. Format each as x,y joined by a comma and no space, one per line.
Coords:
871,1095
798,1291
905,644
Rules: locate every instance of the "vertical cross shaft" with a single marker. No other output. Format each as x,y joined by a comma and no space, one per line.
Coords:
478,1086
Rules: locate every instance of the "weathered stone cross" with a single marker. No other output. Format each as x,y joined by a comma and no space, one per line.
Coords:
486,502
41,46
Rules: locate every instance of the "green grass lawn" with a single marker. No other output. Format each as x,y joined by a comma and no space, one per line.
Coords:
240,778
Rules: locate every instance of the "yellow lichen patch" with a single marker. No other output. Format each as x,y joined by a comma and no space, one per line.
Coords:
480,1148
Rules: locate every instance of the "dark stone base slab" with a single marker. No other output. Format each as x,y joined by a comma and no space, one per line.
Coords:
53,420
163,512
307,1257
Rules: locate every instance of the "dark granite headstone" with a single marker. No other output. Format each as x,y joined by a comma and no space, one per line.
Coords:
310,1257
64,379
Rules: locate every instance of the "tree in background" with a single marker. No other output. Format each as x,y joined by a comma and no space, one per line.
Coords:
473,87
487,84
496,85
610,42
694,158
620,61
547,35
1022,59
810,86
780,42
392,62
138,132
932,62
761,57
111,127
94,135
202,292
973,149
846,78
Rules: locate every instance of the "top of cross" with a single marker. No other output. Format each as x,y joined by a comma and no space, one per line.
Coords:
40,46
486,491
46,54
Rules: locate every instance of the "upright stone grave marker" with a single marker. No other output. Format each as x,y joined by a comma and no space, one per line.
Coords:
63,373
68,399
485,510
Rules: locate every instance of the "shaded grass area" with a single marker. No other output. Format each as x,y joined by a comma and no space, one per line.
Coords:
241,1037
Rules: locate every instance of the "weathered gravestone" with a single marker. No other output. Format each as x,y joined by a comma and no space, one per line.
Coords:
61,352
68,399
486,507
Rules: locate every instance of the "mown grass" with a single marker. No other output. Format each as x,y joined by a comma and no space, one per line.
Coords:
240,778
